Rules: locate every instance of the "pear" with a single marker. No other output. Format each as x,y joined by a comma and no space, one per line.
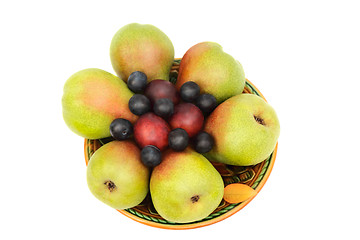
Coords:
141,47
185,187
92,99
116,175
215,71
245,129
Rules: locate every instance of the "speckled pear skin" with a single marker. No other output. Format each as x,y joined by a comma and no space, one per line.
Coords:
92,99
215,71
141,47
185,187
240,139
118,162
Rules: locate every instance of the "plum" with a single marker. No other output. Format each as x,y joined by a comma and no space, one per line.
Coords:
150,129
188,117
158,89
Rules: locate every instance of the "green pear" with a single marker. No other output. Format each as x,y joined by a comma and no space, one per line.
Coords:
215,71
116,175
92,99
185,187
245,129
141,47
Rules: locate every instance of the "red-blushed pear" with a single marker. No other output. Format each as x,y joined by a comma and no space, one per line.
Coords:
215,71
116,175
245,129
185,187
92,99
141,47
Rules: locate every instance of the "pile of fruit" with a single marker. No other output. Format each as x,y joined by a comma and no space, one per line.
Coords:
164,135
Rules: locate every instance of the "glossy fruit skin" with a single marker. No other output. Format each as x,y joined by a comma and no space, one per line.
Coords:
139,104
150,129
215,71
189,91
92,99
116,175
245,129
137,82
188,117
185,186
206,102
150,156
121,129
203,142
141,47
178,139
163,107
161,89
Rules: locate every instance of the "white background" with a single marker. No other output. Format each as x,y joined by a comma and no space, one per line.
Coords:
304,56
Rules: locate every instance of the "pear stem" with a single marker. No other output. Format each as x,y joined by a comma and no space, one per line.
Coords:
195,198
259,120
110,185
